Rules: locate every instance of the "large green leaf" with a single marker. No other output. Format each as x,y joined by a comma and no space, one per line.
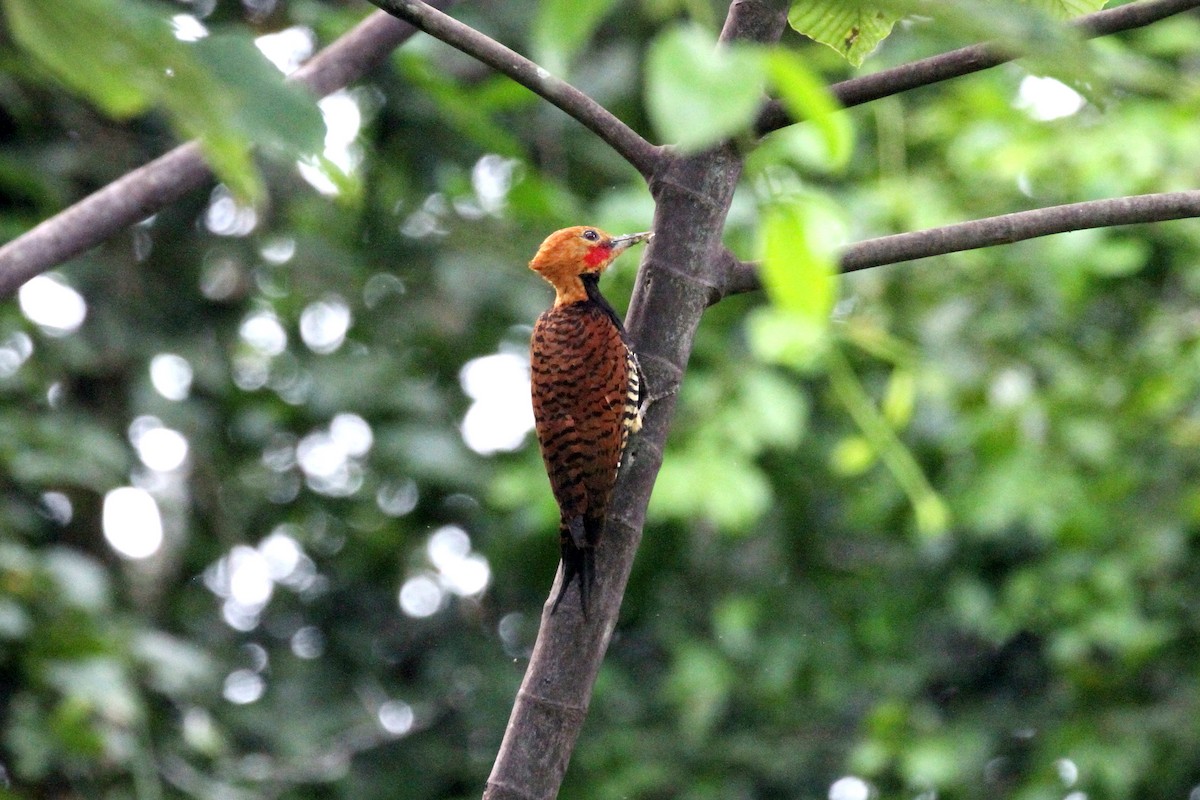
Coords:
123,57
851,27
799,271
697,93
807,98
800,274
95,47
263,108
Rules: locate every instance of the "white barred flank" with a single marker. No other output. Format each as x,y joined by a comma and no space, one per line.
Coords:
631,421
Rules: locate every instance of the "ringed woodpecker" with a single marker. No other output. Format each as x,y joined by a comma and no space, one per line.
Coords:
588,392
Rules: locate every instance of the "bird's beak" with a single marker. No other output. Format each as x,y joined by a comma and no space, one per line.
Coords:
620,243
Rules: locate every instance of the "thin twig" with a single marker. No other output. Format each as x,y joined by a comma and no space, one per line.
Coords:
967,60
1004,229
643,155
149,188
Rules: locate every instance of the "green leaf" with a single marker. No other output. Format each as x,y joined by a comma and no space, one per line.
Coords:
698,94
124,57
469,113
66,450
263,108
800,275
563,27
900,397
90,45
100,684
79,580
806,97
174,666
851,27
799,271
852,455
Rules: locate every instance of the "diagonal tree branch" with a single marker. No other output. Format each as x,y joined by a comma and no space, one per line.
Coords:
643,155
966,60
140,193
742,276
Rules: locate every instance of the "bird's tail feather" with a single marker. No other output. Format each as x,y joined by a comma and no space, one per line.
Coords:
578,561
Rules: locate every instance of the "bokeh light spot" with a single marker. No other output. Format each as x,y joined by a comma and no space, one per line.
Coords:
308,643
448,546
52,305
171,376
187,28
343,121
323,324
57,506
1067,771
131,522
162,449
289,48
244,686
1046,98
352,433
263,331
849,788
396,717
502,414
421,596
397,498
226,217
282,554
250,581
14,351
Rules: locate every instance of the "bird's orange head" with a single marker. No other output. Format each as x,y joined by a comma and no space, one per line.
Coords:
567,255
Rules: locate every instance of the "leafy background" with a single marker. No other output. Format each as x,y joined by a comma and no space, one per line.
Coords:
939,543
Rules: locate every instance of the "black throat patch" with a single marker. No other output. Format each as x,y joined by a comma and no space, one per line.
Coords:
591,283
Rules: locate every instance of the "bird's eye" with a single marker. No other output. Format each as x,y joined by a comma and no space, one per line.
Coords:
591,236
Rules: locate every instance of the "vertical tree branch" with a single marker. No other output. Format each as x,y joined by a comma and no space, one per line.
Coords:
674,285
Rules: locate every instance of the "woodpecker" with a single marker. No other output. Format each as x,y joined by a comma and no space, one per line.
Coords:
587,392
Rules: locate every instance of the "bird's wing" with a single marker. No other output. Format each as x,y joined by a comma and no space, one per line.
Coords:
580,381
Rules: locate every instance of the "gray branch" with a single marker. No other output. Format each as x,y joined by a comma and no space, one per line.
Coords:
147,189
967,60
1004,229
643,155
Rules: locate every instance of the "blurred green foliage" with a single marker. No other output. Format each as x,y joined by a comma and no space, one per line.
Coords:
311,625
125,58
